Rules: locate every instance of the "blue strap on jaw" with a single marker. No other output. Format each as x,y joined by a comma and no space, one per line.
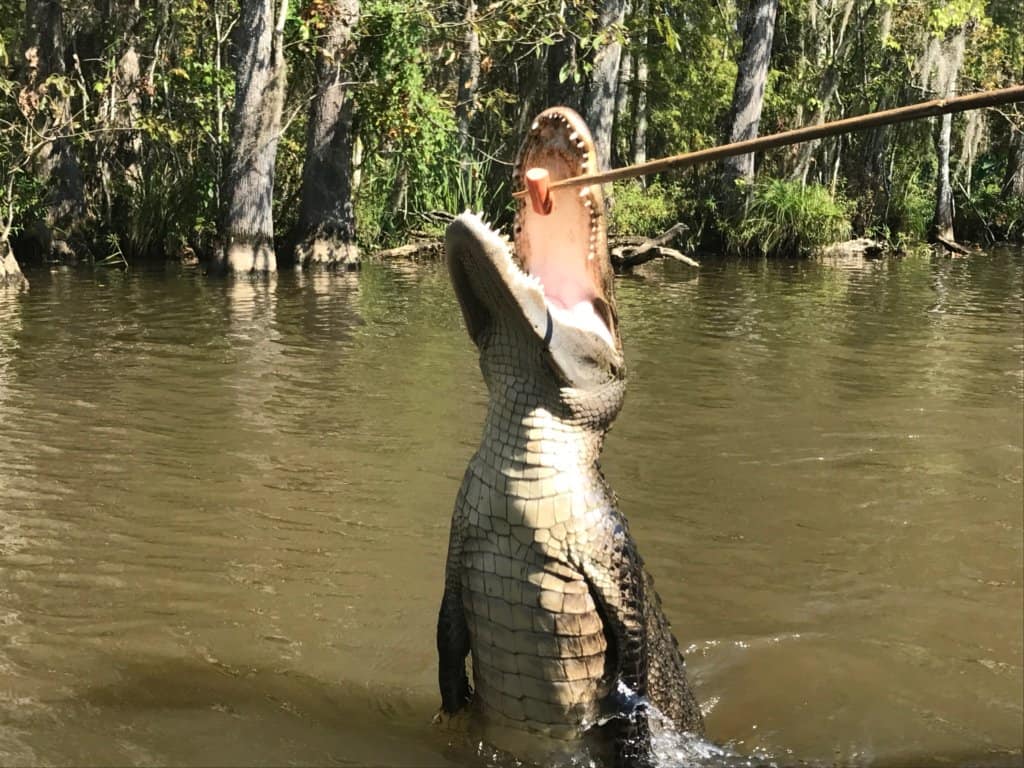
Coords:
550,329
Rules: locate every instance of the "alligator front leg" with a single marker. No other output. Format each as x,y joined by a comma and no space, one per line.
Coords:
614,573
452,649
453,633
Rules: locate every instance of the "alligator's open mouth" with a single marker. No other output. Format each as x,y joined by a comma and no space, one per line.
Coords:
556,275
566,250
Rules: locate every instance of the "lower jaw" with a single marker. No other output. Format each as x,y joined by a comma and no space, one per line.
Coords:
581,315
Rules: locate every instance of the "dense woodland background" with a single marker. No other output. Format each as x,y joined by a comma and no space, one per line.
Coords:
254,134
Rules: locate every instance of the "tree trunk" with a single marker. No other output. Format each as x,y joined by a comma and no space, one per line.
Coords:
10,272
256,128
758,27
119,151
942,221
604,78
469,78
830,47
621,153
327,225
563,69
465,101
640,71
871,183
1013,181
48,108
950,61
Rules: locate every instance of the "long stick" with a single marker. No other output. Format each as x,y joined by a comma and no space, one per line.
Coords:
886,117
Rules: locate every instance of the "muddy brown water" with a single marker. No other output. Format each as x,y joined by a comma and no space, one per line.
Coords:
224,509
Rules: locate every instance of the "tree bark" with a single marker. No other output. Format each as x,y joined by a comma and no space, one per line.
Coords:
327,224
758,27
256,128
48,108
604,79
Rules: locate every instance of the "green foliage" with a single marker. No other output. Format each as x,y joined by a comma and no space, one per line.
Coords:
989,212
408,128
165,209
911,205
688,95
947,15
639,211
787,218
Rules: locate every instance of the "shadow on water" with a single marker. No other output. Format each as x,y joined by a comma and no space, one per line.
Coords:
181,711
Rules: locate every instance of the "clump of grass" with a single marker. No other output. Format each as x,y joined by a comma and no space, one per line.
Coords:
911,206
639,211
787,218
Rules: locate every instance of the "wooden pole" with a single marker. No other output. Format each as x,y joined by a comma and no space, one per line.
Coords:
887,117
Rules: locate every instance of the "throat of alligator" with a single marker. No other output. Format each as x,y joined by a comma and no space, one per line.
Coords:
563,251
519,434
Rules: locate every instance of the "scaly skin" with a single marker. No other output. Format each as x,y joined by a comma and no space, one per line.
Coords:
544,586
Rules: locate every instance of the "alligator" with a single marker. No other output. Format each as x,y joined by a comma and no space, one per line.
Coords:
544,586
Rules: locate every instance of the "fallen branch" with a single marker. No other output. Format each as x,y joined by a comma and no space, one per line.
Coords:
625,257
624,263
952,246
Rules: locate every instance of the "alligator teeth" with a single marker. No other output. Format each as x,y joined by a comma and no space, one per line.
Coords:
535,126
574,136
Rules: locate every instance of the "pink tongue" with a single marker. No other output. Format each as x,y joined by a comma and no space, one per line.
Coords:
559,244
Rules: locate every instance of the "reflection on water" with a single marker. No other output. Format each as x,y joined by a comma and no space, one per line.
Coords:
224,509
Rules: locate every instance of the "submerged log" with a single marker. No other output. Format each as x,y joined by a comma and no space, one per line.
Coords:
952,246
423,249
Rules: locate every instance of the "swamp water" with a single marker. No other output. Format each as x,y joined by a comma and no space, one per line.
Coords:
224,509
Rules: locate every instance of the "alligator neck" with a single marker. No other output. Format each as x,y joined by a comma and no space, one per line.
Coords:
520,437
